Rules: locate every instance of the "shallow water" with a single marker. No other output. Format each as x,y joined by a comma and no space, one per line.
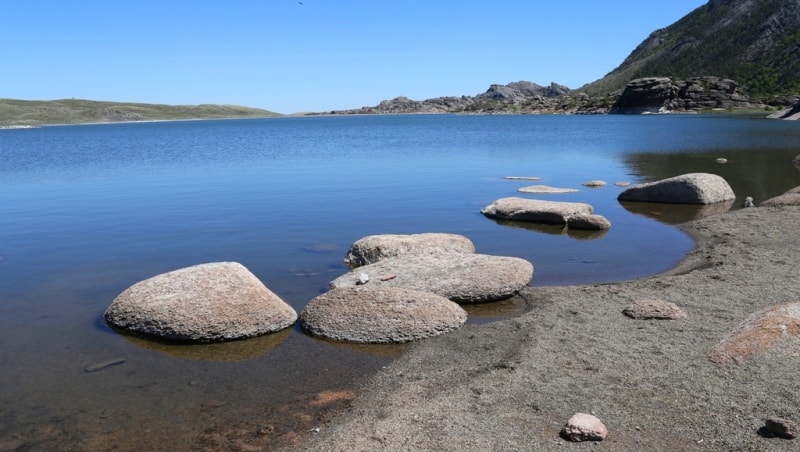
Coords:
86,211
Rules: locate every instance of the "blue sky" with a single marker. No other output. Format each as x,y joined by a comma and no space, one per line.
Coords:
318,55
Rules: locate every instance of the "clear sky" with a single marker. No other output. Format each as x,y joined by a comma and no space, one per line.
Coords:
315,55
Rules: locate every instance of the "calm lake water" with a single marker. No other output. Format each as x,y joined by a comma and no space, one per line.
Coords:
86,211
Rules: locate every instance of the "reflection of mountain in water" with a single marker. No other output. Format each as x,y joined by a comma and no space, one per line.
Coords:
553,229
676,213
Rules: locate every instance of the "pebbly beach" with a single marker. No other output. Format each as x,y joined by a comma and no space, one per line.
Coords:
512,384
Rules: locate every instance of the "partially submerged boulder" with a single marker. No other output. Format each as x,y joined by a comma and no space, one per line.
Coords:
589,222
790,198
460,277
204,303
774,328
693,188
380,316
539,211
373,248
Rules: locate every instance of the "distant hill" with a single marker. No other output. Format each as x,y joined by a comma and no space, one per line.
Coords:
76,111
755,43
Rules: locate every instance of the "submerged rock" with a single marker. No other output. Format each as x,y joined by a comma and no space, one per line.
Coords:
693,188
205,303
384,315
545,189
460,277
373,248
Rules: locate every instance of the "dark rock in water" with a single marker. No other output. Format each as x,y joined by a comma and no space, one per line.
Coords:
693,188
204,303
372,248
384,315
104,365
460,277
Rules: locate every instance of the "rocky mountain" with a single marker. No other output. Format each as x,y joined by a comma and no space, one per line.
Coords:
755,42
726,54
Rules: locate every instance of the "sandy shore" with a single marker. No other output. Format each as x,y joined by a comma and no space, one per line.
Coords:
511,385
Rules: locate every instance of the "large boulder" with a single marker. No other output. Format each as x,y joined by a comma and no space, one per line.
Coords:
776,328
204,303
384,315
373,248
460,277
693,188
547,212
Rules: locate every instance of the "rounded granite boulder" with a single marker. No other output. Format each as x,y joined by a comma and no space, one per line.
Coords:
460,277
381,316
693,188
204,303
372,248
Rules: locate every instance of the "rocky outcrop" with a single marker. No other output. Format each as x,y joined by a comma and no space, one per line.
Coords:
372,248
665,95
460,277
693,188
384,315
791,113
575,214
205,303
776,328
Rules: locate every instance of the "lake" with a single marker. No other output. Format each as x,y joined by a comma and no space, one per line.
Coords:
86,211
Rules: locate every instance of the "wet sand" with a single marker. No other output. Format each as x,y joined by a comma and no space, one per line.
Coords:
511,384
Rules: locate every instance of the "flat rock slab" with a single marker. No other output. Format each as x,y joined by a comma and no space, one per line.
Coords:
693,188
380,316
650,309
372,248
460,277
535,210
205,303
774,328
545,189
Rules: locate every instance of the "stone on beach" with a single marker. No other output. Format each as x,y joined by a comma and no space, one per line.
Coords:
535,210
383,315
460,277
693,188
204,303
584,427
647,309
780,427
776,328
372,248
545,189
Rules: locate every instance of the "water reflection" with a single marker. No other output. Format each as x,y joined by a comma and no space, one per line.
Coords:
553,229
675,214
239,350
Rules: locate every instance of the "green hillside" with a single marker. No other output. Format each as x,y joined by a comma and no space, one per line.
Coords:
756,43
77,111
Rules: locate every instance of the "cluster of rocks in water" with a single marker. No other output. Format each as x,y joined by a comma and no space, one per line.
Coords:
400,287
